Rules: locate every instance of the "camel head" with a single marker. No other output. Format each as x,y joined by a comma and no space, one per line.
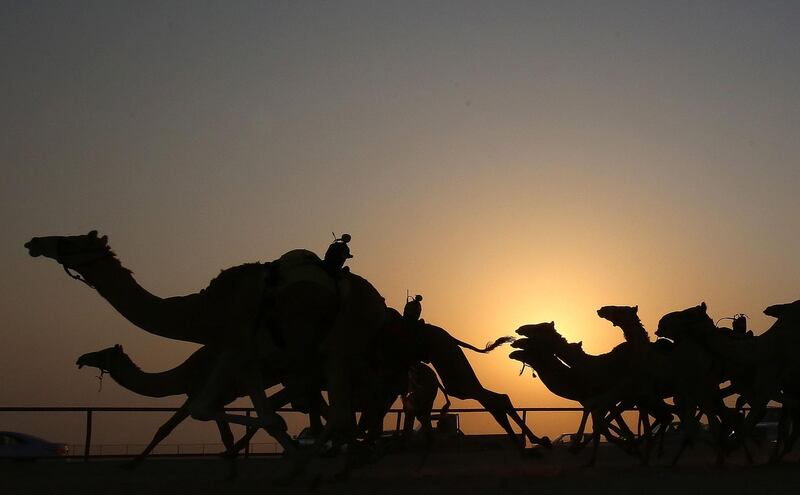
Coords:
103,360
526,357
542,333
685,323
619,316
69,250
540,340
783,310
540,344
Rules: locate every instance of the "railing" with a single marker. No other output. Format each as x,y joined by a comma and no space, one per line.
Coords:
90,411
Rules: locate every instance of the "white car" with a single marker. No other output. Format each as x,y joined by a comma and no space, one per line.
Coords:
15,445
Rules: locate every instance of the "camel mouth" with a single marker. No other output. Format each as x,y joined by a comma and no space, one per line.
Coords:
780,310
520,344
32,248
524,331
83,361
519,355
608,317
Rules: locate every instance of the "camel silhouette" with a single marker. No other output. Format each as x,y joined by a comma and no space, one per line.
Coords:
290,311
423,386
598,383
761,368
696,374
185,379
639,351
437,347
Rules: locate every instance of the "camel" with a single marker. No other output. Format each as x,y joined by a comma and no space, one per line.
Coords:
697,374
291,312
762,367
185,379
181,380
434,345
663,371
596,384
404,344
423,386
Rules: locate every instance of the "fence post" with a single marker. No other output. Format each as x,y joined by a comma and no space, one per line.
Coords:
397,423
88,442
524,423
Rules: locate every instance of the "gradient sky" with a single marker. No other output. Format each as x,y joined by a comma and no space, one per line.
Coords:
514,162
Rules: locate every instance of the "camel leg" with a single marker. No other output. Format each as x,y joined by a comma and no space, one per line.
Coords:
408,416
785,430
162,433
202,407
788,445
242,442
226,370
315,414
690,426
500,407
624,430
277,400
226,435
644,421
597,422
577,442
624,438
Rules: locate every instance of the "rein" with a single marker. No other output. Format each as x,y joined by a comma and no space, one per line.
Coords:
104,251
100,379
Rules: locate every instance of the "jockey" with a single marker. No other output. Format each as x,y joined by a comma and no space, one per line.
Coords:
338,253
413,309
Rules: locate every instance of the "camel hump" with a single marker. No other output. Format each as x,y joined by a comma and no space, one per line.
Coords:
303,266
298,257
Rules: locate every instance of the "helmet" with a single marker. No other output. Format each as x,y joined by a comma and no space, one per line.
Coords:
413,308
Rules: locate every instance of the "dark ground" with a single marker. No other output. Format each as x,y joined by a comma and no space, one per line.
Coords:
476,467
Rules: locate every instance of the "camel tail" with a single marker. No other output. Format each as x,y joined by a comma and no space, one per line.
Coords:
489,347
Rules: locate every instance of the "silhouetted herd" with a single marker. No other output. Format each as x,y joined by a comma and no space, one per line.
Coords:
311,326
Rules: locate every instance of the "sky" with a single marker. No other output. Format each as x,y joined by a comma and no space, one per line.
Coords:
514,162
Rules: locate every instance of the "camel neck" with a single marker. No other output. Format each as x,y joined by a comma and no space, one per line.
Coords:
163,317
635,333
573,356
129,376
558,377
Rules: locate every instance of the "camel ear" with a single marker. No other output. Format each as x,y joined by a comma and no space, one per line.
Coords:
636,309
580,344
93,234
553,324
703,306
118,347
104,240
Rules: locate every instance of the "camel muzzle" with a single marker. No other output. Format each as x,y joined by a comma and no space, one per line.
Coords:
32,248
83,361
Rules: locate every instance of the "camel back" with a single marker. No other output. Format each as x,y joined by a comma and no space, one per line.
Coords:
301,265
